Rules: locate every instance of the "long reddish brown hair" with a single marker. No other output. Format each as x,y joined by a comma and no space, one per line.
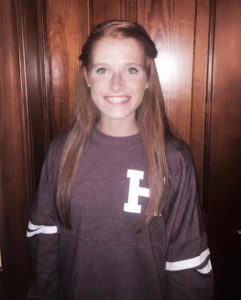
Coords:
150,117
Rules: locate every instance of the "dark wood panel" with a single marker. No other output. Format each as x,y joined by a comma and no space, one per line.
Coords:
103,10
199,88
15,152
67,27
129,10
171,25
2,217
38,95
44,73
33,66
224,191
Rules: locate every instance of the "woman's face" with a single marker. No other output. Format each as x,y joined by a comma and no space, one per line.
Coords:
117,80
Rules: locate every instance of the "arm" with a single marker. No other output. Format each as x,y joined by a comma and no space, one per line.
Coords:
188,267
42,231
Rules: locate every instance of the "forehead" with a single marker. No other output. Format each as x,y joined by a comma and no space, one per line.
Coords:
118,50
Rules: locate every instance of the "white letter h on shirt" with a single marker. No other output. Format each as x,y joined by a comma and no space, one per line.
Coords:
135,191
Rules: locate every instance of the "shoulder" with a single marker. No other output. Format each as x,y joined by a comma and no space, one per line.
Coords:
55,150
178,154
181,189
56,145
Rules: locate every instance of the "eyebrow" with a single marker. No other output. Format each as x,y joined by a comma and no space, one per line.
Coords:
105,64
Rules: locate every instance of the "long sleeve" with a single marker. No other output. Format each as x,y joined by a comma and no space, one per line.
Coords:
42,231
188,266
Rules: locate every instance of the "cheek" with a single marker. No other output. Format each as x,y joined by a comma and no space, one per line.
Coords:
139,88
138,84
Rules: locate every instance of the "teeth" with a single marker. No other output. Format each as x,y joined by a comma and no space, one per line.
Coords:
117,100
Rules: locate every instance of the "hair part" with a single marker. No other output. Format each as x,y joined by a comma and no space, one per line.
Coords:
150,117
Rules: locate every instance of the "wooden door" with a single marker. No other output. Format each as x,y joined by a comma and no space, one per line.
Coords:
198,44
223,178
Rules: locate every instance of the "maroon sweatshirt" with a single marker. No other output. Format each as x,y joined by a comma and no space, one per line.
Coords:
103,256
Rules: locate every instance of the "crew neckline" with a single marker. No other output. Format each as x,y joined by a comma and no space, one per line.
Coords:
104,138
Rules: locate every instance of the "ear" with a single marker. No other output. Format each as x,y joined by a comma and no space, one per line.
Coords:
85,72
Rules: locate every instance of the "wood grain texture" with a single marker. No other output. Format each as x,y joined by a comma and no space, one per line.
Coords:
171,26
39,59
224,193
15,151
2,223
199,88
129,10
103,10
44,73
67,26
36,108
208,106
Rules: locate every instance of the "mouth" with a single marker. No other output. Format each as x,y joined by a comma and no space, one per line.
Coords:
117,99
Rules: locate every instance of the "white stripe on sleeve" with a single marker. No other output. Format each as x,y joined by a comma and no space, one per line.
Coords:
37,229
206,269
187,263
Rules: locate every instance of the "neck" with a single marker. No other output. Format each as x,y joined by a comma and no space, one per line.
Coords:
118,128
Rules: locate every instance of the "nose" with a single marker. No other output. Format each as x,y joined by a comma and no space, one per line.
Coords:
116,82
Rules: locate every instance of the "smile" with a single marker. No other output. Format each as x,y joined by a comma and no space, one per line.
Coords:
117,99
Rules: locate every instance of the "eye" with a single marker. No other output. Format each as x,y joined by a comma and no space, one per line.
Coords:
101,71
132,70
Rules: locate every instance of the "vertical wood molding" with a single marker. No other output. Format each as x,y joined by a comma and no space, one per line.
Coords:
4,10
90,15
208,106
2,210
15,154
44,73
34,66
39,61
25,129
129,10
199,87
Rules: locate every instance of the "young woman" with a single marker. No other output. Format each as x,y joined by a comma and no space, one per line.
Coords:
117,213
